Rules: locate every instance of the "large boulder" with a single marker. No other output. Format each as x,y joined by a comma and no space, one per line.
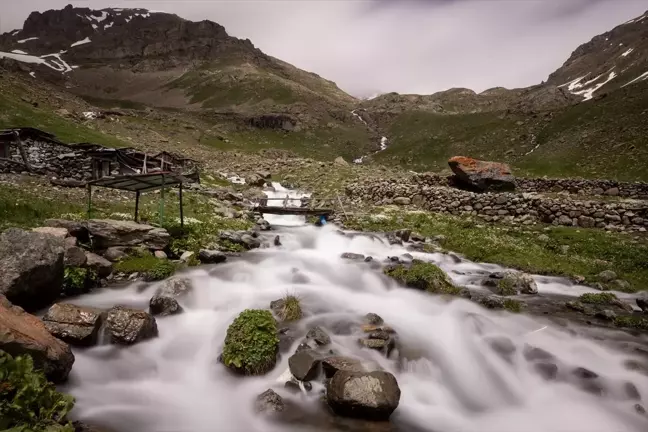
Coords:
482,175
75,325
251,344
31,268
106,233
22,333
164,301
129,326
367,395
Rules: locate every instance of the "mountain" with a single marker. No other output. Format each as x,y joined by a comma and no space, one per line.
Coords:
608,62
135,57
587,119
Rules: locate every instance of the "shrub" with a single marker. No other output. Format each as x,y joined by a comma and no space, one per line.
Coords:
251,344
28,402
424,276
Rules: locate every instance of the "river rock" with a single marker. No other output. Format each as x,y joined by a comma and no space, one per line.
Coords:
164,301
318,335
304,365
129,326
75,256
75,228
115,253
75,325
373,319
607,276
642,301
368,395
211,256
31,268
339,161
332,364
512,283
243,238
22,333
482,175
101,265
106,233
255,180
352,256
269,402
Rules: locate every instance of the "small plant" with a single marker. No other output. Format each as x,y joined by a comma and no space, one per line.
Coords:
424,276
599,298
289,308
74,280
251,344
193,261
506,286
28,402
162,269
229,246
512,305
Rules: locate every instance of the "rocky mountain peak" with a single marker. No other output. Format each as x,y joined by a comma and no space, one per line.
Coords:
609,61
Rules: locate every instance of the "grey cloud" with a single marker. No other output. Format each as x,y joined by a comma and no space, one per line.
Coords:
405,46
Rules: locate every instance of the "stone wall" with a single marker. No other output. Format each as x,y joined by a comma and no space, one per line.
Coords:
517,208
50,159
637,190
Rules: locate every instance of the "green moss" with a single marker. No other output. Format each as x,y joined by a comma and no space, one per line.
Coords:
251,344
162,269
27,401
506,286
290,309
604,298
631,321
136,264
512,305
424,276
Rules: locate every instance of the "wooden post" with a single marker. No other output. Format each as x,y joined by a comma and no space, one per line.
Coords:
21,149
181,210
137,197
89,190
161,211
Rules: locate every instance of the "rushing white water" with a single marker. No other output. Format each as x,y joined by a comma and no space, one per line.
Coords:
451,380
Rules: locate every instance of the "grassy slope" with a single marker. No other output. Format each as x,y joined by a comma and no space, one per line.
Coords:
14,112
606,138
589,251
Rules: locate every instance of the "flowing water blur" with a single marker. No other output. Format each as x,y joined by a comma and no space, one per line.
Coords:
451,381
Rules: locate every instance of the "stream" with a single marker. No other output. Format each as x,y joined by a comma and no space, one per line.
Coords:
451,378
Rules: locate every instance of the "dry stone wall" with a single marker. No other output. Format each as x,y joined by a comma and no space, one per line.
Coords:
635,190
49,159
517,208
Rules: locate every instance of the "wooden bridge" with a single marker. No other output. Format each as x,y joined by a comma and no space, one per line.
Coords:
309,207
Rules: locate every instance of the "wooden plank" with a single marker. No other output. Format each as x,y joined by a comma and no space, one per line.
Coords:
293,211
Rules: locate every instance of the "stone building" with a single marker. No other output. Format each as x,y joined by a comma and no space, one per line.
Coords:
36,151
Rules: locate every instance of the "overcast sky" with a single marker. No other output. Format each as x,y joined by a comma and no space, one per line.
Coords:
376,46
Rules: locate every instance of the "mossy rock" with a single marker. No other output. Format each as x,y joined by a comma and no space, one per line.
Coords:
604,298
631,321
28,402
506,287
424,276
251,344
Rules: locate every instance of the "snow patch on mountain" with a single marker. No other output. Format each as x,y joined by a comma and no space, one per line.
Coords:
642,77
27,40
52,61
81,42
625,54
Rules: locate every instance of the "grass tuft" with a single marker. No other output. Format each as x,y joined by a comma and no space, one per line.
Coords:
598,298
